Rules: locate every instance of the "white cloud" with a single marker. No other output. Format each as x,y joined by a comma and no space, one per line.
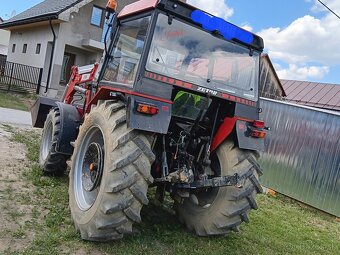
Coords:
215,7
294,72
247,27
307,39
332,4
308,45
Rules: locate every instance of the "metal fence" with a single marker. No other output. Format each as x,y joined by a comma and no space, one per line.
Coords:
302,158
20,78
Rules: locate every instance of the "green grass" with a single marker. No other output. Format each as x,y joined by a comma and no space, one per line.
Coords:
15,101
280,226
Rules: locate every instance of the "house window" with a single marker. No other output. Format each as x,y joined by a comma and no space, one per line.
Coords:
13,47
97,16
37,50
24,48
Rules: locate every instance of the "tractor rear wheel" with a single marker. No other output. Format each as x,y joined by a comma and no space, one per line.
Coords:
110,174
50,161
217,211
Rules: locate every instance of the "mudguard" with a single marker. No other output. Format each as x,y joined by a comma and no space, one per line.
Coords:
243,139
158,123
69,124
225,129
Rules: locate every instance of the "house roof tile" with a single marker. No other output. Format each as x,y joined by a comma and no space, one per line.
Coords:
45,8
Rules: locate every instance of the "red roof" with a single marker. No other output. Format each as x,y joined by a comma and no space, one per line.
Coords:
321,95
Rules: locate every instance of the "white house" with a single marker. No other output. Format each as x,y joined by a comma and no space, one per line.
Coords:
4,42
55,35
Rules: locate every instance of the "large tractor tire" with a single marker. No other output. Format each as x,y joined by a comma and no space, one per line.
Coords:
110,174
50,161
217,211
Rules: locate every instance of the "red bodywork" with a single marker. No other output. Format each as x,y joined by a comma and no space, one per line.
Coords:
188,85
223,132
83,80
79,79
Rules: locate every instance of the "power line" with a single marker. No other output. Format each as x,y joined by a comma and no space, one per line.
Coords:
329,9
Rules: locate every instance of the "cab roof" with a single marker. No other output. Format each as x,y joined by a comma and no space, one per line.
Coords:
208,22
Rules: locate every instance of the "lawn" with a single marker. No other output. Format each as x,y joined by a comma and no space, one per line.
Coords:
279,226
16,101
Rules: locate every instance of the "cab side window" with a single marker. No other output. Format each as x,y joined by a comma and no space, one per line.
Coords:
123,65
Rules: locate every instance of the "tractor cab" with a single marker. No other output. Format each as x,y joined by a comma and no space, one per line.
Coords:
172,55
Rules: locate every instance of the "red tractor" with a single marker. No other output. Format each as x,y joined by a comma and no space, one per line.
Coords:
174,104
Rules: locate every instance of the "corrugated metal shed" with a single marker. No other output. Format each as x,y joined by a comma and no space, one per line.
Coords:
320,95
302,158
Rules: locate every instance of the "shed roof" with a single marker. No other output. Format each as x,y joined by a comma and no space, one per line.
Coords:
271,84
321,95
42,11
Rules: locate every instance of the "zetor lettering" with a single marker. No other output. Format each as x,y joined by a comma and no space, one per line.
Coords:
208,91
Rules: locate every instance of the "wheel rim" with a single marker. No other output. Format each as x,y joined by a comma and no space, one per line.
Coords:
88,168
204,198
47,141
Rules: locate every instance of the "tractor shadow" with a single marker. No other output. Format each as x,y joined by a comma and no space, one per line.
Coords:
161,232
156,216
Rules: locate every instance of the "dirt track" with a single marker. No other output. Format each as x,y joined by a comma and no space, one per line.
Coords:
16,195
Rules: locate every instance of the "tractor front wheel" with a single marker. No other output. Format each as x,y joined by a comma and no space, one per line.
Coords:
217,211
51,161
110,174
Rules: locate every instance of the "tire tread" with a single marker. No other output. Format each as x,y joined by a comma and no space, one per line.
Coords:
128,176
54,163
234,208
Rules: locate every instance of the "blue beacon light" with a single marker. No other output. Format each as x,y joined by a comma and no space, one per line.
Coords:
228,30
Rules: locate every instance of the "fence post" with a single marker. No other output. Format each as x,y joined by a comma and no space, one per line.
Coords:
11,77
39,81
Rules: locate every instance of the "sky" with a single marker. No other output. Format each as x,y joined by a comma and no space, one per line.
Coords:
301,37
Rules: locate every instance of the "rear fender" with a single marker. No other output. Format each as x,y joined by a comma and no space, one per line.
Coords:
158,123
225,129
69,127
243,140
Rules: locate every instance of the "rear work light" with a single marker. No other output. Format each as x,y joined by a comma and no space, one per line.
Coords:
147,109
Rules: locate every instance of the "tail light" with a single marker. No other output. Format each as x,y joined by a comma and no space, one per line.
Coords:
147,109
258,133
258,124
257,130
